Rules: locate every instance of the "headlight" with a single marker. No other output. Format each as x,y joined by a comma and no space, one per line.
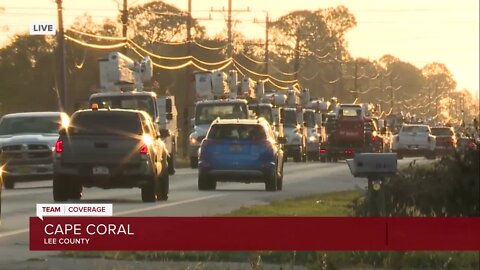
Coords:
312,138
193,140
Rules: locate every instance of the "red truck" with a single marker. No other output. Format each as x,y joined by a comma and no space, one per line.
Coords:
351,131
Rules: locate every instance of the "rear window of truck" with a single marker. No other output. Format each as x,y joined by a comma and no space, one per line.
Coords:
105,123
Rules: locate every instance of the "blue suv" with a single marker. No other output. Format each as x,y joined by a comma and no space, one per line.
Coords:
240,150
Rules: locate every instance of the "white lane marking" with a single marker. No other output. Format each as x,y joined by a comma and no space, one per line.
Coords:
5,234
26,230
145,209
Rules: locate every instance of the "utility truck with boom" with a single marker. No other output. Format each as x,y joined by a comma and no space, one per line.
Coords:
122,87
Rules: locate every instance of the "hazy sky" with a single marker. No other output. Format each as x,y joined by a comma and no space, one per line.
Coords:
416,31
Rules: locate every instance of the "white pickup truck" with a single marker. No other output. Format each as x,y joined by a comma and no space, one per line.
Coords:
414,140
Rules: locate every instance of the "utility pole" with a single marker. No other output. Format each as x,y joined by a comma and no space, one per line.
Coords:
229,29
355,80
391,91
296,66
229,25
61,73
189,95
267,25
124,23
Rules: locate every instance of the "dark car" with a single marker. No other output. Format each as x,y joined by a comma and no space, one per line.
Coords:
110,149
240,150
446,141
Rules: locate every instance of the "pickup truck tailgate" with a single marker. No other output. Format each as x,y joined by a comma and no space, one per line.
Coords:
103,149
413,138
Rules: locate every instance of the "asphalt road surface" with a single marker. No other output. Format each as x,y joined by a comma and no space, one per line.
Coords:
300,179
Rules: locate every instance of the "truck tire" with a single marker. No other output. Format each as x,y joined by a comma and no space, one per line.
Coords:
163,186
271,182
61,188
76,191
323,159
149,191
8,182
193,162
171,164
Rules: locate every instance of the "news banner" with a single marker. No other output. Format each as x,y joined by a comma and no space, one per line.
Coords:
94,227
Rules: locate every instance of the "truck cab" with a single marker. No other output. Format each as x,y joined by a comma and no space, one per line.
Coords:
205,112
295,134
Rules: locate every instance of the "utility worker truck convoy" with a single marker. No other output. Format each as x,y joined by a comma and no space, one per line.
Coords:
121,86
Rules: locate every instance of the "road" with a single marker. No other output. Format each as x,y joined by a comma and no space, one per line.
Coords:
184,200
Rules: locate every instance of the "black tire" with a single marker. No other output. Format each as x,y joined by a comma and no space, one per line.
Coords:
334,159
431,156
206,183
323,159
297,157
271,182
399,156
280,179
316,156
76,191
149,191
61,188
8,182
171,164
163,186
193,162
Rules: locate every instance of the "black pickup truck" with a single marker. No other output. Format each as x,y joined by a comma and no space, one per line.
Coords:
110,149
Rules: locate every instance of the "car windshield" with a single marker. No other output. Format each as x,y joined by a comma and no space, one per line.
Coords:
206,113
442,132
266,112
30,124
415,129
106,124
143,103
236,132
350,111
290,118
309,119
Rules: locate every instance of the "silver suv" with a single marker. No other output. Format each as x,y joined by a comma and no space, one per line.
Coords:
26,144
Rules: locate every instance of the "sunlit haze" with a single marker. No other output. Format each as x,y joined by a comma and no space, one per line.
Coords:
418,32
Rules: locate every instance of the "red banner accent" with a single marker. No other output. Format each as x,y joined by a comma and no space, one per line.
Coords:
253,233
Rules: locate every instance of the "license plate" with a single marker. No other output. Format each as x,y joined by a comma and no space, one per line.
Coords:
235,148
100,170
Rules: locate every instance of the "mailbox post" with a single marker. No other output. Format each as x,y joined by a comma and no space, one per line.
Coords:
375,167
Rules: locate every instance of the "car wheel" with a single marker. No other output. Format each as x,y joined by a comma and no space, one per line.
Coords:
171,164
61,187
8,182
193,162
271,182
399,156
323,159
206,183
316,156
280,179
335,159
431,156
163,186
149,191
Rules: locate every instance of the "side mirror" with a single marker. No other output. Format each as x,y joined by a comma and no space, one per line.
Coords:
169,116
192,122
168,107
164,133
62,131
281,115
282,140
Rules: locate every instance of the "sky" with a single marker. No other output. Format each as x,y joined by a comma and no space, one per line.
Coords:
416,31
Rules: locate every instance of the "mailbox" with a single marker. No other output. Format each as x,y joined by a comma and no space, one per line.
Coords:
371,165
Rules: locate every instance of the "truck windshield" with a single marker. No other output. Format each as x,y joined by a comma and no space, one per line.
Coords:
206,113
31,124
143,103
349,111
415,129
266,112
290,118
106,123
309,118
